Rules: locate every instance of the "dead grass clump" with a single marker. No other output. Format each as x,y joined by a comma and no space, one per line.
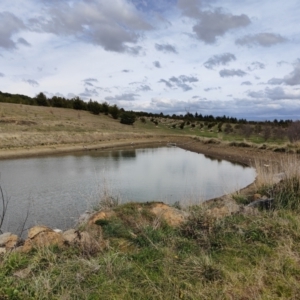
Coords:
211,141
240,144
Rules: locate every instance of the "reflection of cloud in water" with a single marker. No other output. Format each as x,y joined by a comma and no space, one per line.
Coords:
61,186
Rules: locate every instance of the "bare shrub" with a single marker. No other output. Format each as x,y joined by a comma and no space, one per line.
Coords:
246,130
293,132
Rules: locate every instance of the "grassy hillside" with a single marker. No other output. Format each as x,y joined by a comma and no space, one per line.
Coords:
215,254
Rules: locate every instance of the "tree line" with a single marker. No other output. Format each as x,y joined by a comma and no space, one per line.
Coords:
126,117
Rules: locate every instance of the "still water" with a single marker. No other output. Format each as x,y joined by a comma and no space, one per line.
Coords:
57,189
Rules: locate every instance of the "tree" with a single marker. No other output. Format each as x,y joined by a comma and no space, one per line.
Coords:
114,111
79,104
94,107
127,118
41,99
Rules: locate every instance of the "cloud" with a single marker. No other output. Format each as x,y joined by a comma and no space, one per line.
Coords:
291,79
264,39
275,81
166,48
246,83
252,109
125,71
157,64
88,93
232,72
90,80
222,59
166,82
2,75
108,24
212,89
31,82
123,97
23,42
143,88
180,82
215,24
277,93
256,65
9,25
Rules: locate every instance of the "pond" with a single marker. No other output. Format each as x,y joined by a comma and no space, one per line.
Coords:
55,190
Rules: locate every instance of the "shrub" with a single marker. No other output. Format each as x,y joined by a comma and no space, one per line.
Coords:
293,132
127,118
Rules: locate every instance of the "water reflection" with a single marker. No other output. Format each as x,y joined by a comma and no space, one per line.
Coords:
59,188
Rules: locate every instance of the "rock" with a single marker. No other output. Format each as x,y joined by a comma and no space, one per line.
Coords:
8,240
173,216
37,230
83,239
42,236
101,215
2,250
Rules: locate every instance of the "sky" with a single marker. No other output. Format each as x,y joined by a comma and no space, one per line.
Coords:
214,57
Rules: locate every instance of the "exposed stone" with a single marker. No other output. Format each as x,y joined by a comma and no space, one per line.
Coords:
42,236
83,239
173,216
2,250
37,230
101,215
8,240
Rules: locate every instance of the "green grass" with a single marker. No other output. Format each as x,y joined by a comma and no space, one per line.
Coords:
240,256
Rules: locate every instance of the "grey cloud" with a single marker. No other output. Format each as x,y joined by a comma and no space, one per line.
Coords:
214,24
275,81
9,25
291,79
190,79
143,88
167,83
89,93
125,71
232,72
123,97
256,66
23,42
109,24
180,82
185,87
157,64
249,108
91,80
2,75
246,83
190,8
166,48
282,62
222,59
277,93
212,89
264,39
294,77
31,82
